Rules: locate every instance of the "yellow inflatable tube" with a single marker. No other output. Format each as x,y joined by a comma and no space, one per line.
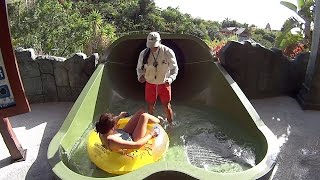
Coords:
121,163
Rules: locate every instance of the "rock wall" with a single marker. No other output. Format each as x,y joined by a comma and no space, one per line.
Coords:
262,72
49,78
258,71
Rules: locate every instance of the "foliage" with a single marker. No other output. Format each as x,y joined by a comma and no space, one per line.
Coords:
293,44
230,23
63,27
288,25
100,34
291,39
54,28
294,50
264,37
217,45
216,50
304,9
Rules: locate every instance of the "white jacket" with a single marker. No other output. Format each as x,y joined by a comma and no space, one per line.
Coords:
166,69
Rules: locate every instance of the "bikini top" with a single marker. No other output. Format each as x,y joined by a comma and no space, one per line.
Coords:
124,135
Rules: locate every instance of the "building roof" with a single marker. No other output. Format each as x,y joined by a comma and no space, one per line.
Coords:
240,30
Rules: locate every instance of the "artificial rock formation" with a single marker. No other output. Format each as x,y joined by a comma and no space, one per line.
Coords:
261,72
49,78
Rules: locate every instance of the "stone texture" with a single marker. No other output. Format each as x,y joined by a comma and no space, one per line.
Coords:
61,74
309,95
75,92
24,55
83,69
64,93
49,88
45,66
36,99
33,86
75,65
90,64
49,78
29,69
262,72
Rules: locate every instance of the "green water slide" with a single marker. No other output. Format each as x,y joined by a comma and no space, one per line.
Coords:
201,80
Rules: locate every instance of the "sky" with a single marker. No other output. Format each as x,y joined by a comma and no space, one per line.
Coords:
257,12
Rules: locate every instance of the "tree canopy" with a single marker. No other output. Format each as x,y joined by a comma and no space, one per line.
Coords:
65,27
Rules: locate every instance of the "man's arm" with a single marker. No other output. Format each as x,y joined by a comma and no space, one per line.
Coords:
173,65
140,72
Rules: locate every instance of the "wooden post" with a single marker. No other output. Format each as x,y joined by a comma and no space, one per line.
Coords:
309,95
12,97
15,149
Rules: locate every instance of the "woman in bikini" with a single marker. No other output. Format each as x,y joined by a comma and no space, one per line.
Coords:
134,135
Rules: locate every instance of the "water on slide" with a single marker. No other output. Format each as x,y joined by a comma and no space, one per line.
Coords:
199,136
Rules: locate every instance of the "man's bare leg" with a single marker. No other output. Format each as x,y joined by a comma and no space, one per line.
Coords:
151,108
168,110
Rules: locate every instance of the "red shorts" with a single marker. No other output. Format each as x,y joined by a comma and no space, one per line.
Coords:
152,91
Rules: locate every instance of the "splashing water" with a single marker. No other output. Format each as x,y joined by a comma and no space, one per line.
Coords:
194,138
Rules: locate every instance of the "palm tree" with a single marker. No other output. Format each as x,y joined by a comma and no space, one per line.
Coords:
226,23
304,9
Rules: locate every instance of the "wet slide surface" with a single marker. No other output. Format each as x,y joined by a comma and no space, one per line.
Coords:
215,129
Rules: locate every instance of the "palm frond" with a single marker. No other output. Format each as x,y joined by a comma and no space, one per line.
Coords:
289,24
300,4
286,28
289,5
307,10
